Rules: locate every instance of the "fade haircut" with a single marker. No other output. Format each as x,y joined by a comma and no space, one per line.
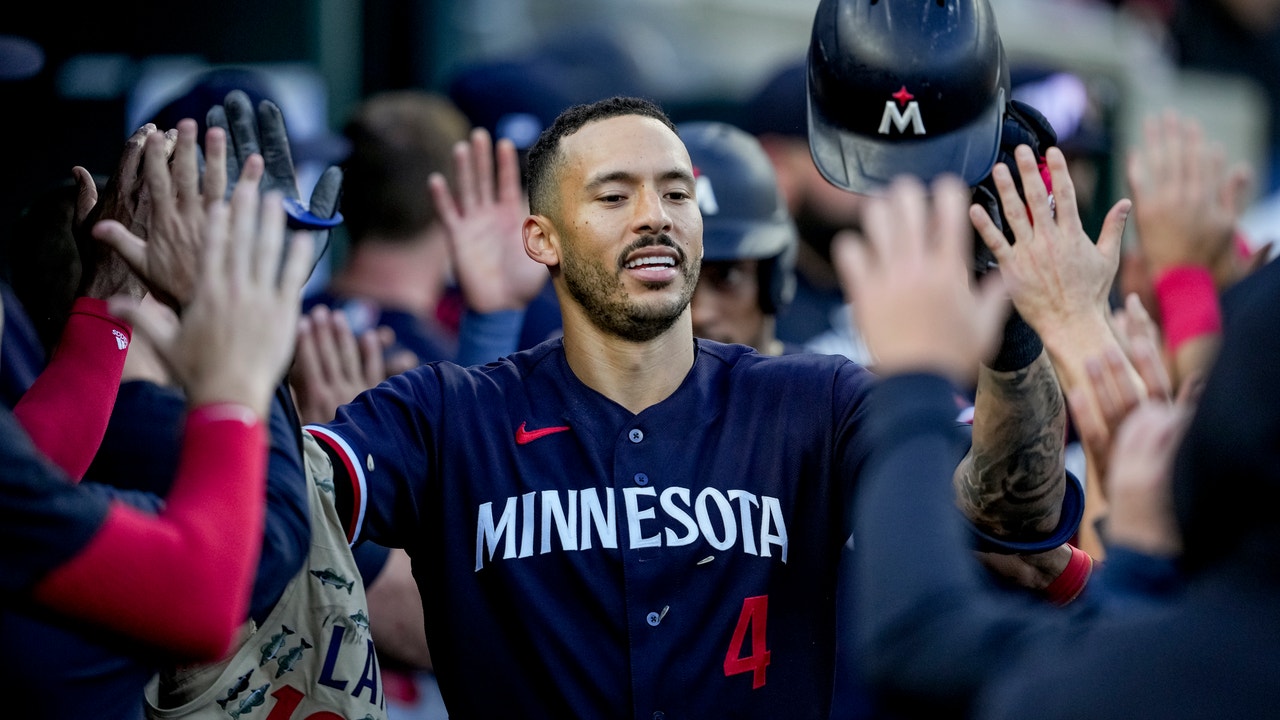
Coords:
545,159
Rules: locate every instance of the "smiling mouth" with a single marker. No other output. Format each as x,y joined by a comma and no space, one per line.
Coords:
653,261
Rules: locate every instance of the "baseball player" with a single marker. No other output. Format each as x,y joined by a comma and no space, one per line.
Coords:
625,521
749,239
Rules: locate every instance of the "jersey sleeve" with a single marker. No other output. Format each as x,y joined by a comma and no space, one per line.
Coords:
179,580
381,448
66,410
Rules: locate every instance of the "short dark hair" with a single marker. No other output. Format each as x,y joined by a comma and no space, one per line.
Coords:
544,157
398,139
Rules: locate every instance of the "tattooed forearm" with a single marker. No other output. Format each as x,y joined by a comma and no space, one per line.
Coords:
1012,481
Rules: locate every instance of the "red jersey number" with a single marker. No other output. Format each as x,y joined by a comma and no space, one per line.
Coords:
755,614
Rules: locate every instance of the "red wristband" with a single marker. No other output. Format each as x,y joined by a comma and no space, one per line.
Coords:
1188,304
1074,577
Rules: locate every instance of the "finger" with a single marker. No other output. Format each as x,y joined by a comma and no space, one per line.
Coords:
151,322
371,361
950,219
1151,369
870,257
155,170
243,125
850,256
990,235
327,354
215,167
464,173
325,195
1033,186
186,173
217,118
482,156
908,209
306,363
129,246
509,190
1140,321
86,194
1124,392
445,204
298,264
1012,209
1093,433
245,204
269,247
131,158
1112,233
276,155
348,346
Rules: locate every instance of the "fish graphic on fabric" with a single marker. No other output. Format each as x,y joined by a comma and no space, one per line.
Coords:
234,691
329,576
360,620
291,658
253,700
272,646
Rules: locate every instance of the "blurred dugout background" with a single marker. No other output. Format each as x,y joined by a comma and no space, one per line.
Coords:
1097,66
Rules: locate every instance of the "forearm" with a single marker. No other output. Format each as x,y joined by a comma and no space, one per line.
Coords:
67,409
181,580
1011,484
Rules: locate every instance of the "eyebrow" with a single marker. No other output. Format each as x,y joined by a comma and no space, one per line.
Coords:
626,177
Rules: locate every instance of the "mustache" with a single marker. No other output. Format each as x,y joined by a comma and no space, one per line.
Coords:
644,241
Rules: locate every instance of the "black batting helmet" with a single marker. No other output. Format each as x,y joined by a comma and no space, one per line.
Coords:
744,215
905,86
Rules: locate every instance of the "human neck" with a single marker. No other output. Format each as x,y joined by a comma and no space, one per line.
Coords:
404,276
636,375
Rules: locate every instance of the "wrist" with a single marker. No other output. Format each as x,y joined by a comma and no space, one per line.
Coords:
1188,299
1071,582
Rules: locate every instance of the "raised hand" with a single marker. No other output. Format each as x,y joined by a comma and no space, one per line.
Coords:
1185,201
263,132
910,283
126,199
483,226
332,365
167,258
236,334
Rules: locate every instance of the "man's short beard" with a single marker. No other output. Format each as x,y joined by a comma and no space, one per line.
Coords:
607,307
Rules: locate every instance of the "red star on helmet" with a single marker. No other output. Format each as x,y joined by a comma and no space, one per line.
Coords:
902,96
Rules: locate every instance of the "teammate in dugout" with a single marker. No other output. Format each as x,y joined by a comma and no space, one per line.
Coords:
629,521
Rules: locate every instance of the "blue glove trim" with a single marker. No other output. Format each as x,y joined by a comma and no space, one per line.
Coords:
1068,523
301,218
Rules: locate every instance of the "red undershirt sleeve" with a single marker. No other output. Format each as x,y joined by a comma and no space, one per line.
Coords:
67,409
180,580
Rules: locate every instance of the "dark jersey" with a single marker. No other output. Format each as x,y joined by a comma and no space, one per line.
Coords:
578,560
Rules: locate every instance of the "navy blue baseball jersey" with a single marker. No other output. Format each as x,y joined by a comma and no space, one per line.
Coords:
578,560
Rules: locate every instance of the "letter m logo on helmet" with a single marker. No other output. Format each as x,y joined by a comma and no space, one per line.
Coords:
899,119
865,126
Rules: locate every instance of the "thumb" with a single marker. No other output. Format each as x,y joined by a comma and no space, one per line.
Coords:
86,194
129,246
1112,233
151,321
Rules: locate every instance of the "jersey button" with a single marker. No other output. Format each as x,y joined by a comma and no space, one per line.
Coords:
641,479
659,715
653,619
635,435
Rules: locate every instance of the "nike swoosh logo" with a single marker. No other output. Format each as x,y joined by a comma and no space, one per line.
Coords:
524,437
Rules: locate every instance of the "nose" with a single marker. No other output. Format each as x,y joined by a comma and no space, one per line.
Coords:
652,216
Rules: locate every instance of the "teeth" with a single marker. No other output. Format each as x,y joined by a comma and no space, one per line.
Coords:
668,262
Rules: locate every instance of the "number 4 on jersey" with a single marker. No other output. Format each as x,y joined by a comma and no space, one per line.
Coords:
755,613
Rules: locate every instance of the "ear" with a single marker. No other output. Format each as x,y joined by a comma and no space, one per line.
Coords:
541,241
